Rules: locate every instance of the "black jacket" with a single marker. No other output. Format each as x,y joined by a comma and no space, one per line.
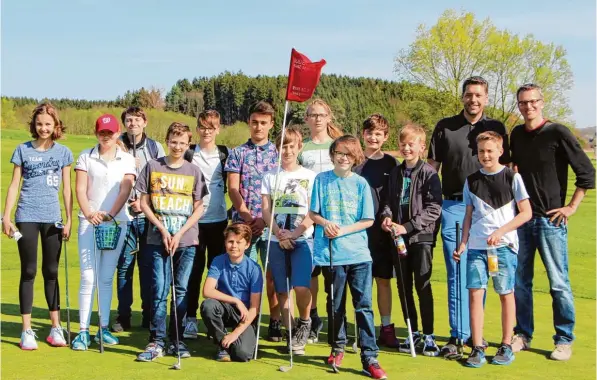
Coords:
425,202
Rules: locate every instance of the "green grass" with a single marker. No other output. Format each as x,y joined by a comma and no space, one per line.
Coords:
118,361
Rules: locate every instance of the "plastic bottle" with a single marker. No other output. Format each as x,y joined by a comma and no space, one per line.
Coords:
492,261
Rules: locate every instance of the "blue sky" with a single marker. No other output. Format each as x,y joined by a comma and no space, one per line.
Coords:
98,49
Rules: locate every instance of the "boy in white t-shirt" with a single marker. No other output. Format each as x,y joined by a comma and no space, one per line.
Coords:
492,194
292,232
210,158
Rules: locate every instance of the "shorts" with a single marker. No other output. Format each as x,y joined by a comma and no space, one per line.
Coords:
258,247
301,261
477,272
383,264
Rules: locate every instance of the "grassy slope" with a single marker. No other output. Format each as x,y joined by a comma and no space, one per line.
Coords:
118,362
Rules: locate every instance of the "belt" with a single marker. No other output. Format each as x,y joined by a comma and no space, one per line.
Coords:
456,197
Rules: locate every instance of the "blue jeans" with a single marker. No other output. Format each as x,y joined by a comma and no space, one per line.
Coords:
452,212
359,278
162,279
126,268
552,242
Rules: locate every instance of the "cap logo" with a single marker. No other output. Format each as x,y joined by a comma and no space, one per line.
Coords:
105,120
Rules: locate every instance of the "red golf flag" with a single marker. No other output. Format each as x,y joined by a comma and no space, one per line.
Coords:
303,77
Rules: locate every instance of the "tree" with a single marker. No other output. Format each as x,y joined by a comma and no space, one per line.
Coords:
459,46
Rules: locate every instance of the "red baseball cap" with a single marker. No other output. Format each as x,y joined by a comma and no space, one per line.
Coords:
107,122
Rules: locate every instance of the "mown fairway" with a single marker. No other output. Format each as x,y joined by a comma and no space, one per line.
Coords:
118,361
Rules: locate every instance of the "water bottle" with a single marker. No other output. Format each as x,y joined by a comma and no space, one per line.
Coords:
492,262
15,234
399,243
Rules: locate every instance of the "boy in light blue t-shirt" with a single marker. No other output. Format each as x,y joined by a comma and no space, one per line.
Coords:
342,208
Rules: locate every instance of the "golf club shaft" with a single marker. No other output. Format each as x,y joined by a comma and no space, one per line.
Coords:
289,317
403,300
333,306
135,196
67,297
410,339
99,313
458,287
175,306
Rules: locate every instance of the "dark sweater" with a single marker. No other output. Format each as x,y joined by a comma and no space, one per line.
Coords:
542,157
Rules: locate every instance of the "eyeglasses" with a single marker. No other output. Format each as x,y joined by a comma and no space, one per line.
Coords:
531,102
176,145
203,129
342,155
316,115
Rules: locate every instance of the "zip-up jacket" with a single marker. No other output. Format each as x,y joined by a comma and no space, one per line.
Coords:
425,202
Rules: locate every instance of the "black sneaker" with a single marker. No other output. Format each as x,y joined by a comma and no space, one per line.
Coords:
182,348
300,337
405,347
274,331
223,355
450,348
316,327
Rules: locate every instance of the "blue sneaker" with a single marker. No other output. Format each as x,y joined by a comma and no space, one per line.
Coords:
109,339
477,358
152,352
430,347
504,355
81,342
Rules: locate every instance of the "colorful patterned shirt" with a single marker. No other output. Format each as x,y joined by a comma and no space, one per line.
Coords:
251,162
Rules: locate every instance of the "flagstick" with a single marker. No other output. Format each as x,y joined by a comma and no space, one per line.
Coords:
271,223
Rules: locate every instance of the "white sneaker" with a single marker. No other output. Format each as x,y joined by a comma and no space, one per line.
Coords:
190,329
28,341
56,337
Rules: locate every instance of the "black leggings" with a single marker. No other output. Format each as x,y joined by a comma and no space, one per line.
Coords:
211,239
51,245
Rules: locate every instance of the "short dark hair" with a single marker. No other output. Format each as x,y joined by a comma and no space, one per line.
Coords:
262,107
179,129
477,79
291,135
529,87
133,111
241,229
376,122
209,118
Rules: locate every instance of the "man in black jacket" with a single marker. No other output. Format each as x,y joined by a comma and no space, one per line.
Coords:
541,153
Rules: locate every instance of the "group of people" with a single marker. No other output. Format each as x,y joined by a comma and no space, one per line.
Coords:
305,206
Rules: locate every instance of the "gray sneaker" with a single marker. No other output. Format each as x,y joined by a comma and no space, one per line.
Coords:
562,352
520,342
300,336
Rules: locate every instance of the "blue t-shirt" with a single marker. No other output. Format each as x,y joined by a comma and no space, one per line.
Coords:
237,280
343,201
42,177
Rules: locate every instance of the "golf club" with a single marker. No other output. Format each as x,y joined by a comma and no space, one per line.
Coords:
99,313
288,269
136,250
176,366
356,334
410,331
67,297
333,310
459,350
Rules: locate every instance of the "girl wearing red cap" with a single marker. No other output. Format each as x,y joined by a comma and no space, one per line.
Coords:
104,179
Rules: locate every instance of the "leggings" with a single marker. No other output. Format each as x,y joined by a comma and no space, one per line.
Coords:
106,262
51,244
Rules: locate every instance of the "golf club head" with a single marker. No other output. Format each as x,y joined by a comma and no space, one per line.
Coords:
335,368
285,368
355,347
457,356
176,367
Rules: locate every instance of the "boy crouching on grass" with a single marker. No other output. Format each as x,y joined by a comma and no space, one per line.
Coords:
491,196
232,293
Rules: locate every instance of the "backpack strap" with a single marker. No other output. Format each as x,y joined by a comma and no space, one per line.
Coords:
152,147
188,155
223,152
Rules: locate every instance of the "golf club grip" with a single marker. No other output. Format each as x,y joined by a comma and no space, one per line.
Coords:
457,235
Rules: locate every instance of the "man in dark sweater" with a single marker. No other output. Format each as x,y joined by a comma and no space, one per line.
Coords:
541,153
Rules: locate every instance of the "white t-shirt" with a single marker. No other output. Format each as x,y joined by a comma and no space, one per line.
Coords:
104,178
292,195
214,203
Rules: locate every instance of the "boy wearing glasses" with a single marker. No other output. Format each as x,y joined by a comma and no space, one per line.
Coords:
211,159
171,190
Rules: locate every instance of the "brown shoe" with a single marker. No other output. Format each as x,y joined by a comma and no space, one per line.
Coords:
520,342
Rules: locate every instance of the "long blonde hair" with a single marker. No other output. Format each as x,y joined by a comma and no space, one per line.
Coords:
334,131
